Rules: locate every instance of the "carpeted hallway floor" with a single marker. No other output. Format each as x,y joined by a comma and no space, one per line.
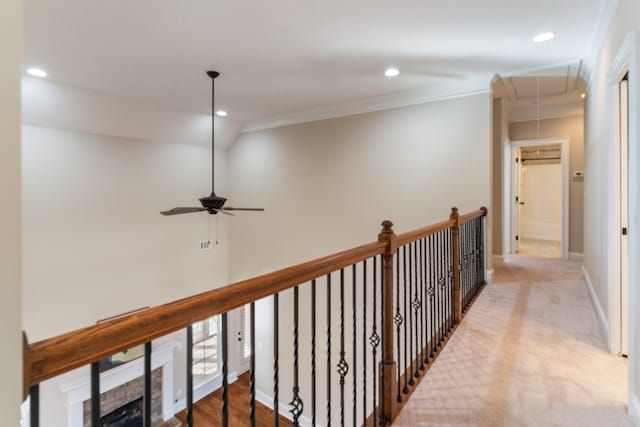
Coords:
529,353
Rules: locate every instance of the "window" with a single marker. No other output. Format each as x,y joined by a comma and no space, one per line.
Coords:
205,347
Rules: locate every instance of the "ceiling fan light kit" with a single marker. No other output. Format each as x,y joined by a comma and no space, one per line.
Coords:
212,204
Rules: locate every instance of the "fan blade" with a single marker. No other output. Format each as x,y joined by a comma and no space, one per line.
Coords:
222,211
180,211
243,209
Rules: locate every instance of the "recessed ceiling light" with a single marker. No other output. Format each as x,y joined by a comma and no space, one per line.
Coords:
584,95
221,113
543,37
391,72
36,72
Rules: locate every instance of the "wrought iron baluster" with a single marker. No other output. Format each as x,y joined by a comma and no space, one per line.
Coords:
34,406
439,286
374,339
224,347
147,384
423,330
382,421
482,265
296,403
364,339
189,376
95,394
329,350
405,389
398,321
354,344
410,248
313,352
252,364
276,367
416,307
432,296
343,367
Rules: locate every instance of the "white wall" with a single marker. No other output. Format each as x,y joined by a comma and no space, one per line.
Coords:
327,186
598,144
542,194
94,242
10,280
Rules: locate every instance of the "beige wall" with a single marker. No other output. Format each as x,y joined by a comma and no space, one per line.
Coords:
327,186
10,280
499,132
572,127
94,242
598,145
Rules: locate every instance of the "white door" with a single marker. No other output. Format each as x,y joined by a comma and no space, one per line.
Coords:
624,213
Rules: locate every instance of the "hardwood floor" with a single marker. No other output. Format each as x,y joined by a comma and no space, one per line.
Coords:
207,411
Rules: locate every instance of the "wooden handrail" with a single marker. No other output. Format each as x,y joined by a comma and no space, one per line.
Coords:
57,355
412,236
471,215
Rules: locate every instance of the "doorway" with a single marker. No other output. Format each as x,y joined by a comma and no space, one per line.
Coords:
539,185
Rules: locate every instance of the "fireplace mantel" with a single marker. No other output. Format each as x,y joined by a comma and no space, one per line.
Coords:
79,390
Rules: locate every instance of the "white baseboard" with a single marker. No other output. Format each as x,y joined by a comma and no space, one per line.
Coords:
488,276
283,409
596,304
634,409
203,390
576,256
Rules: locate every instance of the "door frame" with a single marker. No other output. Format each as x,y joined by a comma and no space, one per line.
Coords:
564,161
623,63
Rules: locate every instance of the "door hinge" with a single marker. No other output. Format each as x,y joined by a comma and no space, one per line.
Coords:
517,237
624,231
517,160
517,199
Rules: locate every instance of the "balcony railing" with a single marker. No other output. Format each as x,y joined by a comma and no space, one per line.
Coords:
369,322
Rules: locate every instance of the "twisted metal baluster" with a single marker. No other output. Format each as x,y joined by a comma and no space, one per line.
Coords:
432,298
296,403
374,340
225,372
421,293
382,421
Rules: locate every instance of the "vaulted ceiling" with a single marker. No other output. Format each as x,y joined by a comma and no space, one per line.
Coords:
279,57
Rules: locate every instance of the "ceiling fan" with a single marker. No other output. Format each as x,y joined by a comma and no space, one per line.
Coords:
212,203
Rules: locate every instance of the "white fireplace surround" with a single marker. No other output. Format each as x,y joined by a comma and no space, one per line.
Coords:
79,390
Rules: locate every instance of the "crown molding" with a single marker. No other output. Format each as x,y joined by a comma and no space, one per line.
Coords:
476,86
547,112
605,17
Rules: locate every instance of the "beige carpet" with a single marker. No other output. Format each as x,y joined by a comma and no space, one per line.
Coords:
529,353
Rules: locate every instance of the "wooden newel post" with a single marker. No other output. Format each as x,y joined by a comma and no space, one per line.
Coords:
457,293
388,405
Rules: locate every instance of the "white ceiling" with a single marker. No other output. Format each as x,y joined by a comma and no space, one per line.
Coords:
279,57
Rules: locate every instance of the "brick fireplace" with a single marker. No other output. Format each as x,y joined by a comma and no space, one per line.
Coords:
124,384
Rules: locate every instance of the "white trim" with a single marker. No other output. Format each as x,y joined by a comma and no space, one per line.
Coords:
605,16
565,159
488,275
576,256
623,62
385,102
602,319
561,111
634,409
283,409
204,389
